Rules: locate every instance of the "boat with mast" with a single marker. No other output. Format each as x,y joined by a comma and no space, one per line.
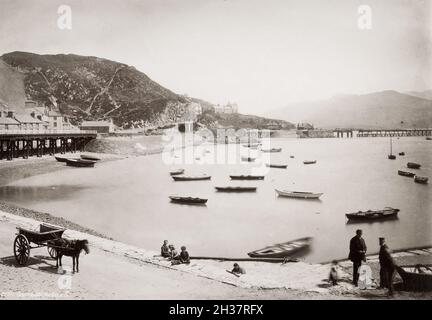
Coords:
391,156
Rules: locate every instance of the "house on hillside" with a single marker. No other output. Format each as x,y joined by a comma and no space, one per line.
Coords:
7,120
228,108
55,119
99,126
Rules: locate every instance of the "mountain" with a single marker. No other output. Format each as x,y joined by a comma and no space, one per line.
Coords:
86,88
385,109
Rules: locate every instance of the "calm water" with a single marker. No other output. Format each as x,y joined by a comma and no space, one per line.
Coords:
128,199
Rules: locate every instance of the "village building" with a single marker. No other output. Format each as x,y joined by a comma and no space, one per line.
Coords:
228,108
7,120
99,126
50,115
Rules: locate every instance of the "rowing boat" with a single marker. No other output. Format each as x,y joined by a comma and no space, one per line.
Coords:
416,277
272,150
188,200
191,178
419,179
387,212
413,165
279,166
89,157
236,189
298,194
60,159
81,163
246,177
282,250
406,174
177,172
309,162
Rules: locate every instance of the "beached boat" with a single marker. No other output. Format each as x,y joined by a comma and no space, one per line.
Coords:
60,159
80,163
279,166
419,179
401,153
428,138
246,177
236,189
387,212
298,194
191,178
406,174
309,162
177,172
416,277
272,150
188,200
89,157
413,165
282,250
248,159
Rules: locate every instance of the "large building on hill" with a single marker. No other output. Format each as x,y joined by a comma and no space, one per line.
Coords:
228,108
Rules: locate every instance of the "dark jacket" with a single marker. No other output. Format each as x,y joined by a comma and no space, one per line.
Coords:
184,257
165,251
385,259
357,249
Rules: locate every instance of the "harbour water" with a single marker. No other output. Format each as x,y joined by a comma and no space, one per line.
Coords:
128,199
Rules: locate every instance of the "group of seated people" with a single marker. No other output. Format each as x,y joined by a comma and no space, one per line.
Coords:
169,252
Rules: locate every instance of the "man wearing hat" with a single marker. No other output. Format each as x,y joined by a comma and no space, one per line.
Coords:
357,253
387,267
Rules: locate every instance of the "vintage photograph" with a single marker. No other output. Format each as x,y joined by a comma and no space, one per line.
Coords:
215,149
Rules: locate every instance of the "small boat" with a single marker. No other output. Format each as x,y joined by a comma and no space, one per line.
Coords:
246,177
236,189
248,159
406,174
282,250
251,145
191,178
272,150
292,157
387,212
88,157
309,162
280,166
428,138
80,163
177,172
419,179
401,153
188,200
60,159
298,194
413,165
391,156
416,277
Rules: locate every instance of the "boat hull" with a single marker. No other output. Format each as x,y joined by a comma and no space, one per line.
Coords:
80,163
406,174
176,173
278,166
188,200
373,215
413,280
235,189
87,157
61,159
422,180
282,250
309,162
413,165
247,177
179,178
298,195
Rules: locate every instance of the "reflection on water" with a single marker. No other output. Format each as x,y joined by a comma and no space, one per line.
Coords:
128,199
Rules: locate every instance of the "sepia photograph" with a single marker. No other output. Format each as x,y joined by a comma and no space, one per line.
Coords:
192,150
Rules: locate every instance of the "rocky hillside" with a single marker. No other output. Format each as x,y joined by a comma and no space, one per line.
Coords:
92,88
385,109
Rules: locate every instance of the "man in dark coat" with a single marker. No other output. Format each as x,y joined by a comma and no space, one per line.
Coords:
357,254
387,267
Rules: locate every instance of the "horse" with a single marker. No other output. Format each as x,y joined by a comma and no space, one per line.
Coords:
70,248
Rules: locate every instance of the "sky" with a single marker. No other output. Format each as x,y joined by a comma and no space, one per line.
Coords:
261,54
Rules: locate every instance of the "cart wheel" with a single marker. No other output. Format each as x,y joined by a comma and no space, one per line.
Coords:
21,249
52,252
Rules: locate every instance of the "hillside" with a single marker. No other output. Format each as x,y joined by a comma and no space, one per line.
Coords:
87,88
386,109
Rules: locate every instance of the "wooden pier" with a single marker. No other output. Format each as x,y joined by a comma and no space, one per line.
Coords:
16,144
394,133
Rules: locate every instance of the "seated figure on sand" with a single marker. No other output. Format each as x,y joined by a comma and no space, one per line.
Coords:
182,258
237,269
333,276
173,252
165,251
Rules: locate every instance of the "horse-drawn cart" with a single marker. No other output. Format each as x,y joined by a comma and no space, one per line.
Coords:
44,238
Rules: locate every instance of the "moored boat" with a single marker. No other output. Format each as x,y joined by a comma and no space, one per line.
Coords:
406,174
246,177
251,145
416,277
80,163
188,200
298,194
89,157
272,150
191,178
279,166
387,212
401,153
309,162
282,250
248,159
413,165
419,179
177,172
236,189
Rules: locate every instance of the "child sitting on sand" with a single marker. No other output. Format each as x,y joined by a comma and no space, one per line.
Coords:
333,277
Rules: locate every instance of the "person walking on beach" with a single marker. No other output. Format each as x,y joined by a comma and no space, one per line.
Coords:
387,267
165,251
357,253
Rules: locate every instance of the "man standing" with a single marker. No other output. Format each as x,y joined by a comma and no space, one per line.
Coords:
357,254
387,267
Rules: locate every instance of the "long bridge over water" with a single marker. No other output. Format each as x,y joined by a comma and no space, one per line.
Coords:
361,133
22,143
